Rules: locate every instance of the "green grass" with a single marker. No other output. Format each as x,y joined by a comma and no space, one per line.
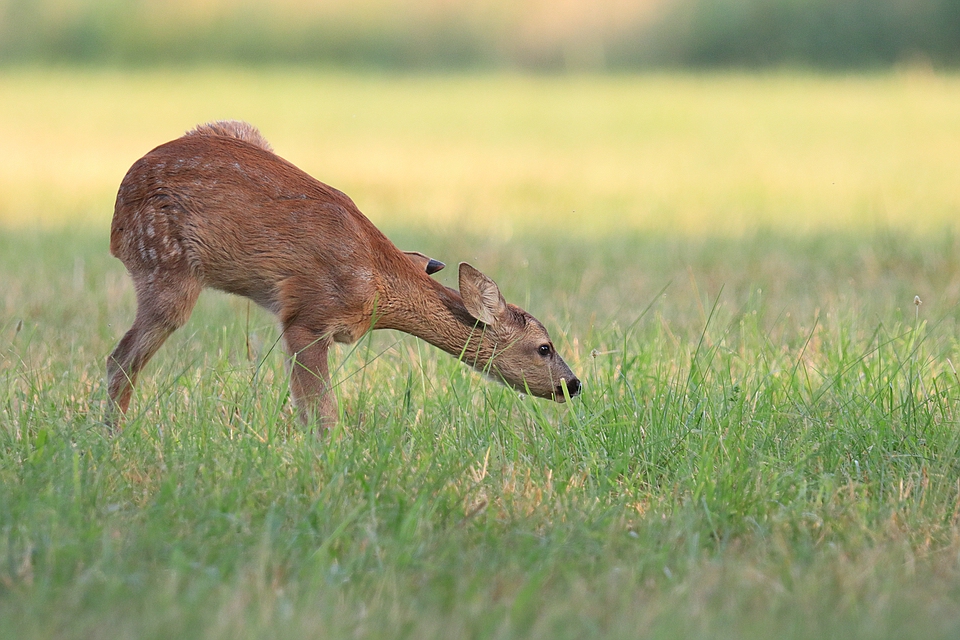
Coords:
767,446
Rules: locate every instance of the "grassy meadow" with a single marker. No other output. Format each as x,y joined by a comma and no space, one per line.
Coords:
767,444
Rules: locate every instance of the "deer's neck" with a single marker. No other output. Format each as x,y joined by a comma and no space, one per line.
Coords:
436,314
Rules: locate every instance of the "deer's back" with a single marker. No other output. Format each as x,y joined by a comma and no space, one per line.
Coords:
243,220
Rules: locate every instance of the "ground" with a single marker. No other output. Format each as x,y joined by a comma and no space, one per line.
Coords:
766,444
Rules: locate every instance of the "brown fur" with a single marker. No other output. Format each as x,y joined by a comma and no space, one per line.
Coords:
217,208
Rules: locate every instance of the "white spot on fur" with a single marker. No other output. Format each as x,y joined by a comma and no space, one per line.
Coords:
364,274
150,230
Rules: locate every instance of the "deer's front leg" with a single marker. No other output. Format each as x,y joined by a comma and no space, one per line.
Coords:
310,375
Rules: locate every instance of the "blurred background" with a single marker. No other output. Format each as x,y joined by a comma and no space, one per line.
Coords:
542,35
687,116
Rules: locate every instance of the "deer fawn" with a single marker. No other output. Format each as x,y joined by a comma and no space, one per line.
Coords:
217,208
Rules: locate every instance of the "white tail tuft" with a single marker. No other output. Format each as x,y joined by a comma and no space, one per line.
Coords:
233,129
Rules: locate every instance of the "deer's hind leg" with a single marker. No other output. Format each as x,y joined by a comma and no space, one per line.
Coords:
164,303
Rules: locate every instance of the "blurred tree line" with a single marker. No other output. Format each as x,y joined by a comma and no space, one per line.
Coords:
451,34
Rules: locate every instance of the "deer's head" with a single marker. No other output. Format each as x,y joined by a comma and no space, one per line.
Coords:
516,347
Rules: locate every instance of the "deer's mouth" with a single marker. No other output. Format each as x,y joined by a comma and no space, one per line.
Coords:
574,387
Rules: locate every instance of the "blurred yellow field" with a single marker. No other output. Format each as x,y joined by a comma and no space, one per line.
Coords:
502,153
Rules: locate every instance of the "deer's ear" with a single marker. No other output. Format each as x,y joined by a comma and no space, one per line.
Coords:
426,263
481,295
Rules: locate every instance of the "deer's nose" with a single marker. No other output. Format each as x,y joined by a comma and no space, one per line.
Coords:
573,388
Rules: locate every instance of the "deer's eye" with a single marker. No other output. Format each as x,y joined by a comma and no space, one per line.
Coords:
544,350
